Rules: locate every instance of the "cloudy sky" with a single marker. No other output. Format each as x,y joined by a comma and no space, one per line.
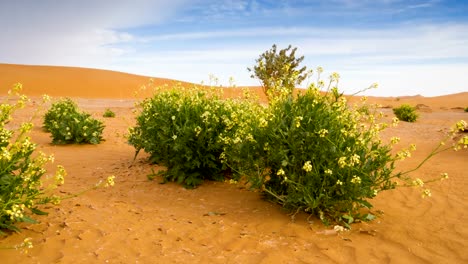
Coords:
407,46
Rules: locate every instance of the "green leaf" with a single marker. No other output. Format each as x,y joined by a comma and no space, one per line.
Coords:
349,218
368,217
28,220
38,212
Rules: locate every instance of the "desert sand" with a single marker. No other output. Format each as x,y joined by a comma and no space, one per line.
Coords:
142,221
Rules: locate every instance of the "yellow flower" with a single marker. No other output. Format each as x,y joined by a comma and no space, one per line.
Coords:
418,182
342,162
55,200
45,98
60,175
338,182
426,193
197,130
461,125
280,172
354,159
323,132
27,244
444,176
334,76
403,154
298,121
263,122
307,166
328,171
394,140
356,180
110,181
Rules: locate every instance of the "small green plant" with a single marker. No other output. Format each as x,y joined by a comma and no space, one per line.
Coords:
279,70
67,124
22,185
466,109
406,113
108,113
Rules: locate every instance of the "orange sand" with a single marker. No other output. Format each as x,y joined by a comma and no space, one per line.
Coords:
142,221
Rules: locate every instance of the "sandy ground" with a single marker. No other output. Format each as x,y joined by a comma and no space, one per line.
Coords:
142,221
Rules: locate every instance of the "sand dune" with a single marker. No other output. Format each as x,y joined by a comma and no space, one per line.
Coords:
93,83
74,82
142,221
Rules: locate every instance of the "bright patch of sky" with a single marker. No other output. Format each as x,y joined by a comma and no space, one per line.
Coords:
407,46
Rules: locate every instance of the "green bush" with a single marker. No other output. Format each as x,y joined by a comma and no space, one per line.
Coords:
406,113
67,124
279,71
182,131
22,185
314,154
108,113
466,109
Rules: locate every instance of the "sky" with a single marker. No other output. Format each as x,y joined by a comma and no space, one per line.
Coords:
408,47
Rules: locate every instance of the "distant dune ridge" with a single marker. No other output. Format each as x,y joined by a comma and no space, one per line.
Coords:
95,83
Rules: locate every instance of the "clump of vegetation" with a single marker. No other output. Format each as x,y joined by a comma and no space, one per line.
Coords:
108,113
183,131
279,70
406,113
22,184
466,109
67,124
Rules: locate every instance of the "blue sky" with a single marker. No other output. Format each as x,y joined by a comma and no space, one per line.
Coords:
407,46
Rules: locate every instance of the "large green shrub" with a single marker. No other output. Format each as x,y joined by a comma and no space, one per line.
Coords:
406,113
315,154
22,185
184,131
67,124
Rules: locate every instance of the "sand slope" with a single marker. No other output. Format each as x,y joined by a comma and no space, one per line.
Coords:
73,82
142,221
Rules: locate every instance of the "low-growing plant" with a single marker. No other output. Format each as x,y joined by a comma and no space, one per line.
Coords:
67,124
23,186
406,113
108,113
466,109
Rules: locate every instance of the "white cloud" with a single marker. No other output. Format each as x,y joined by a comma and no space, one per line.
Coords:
78,33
